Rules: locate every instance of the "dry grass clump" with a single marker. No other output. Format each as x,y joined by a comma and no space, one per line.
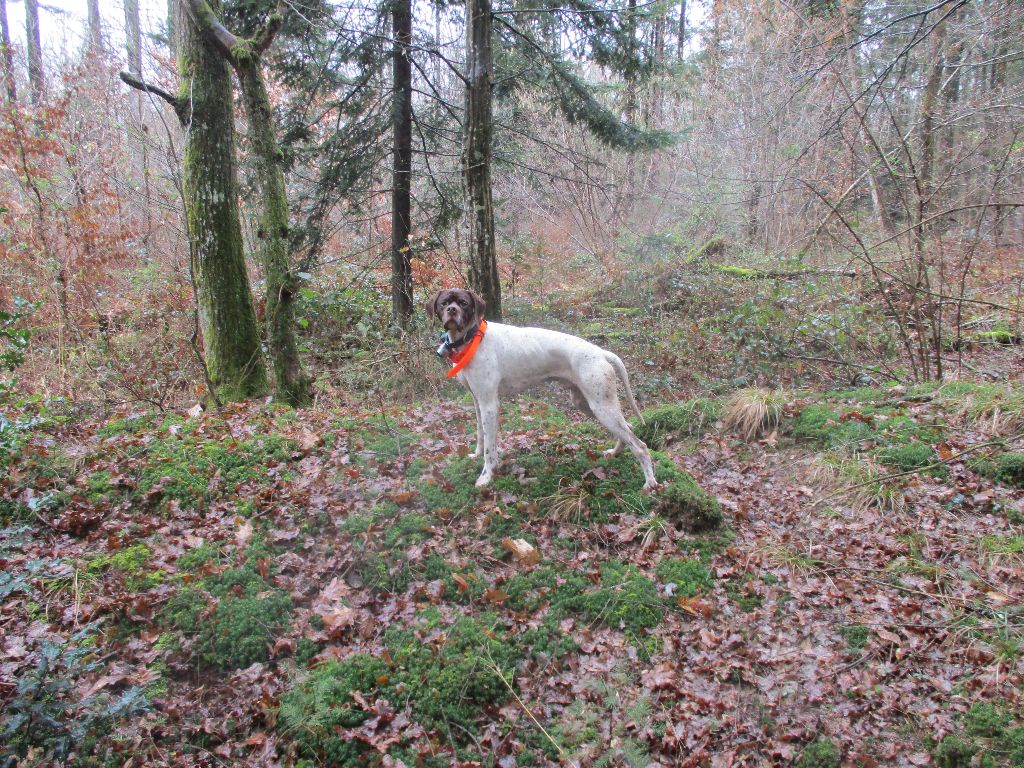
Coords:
753,412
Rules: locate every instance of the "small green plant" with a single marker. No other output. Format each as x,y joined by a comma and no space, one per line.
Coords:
130,563
988,738
48,716
232,616
1009,468
13,341
910,456
856,636
625,599
686,504
689,577
446,673
822,753
692,418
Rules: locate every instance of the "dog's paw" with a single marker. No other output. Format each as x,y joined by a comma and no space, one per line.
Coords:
484,479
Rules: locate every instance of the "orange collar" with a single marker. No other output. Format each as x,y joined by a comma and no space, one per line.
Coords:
461,358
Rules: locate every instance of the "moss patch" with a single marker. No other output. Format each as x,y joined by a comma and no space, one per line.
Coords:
692,418
448,673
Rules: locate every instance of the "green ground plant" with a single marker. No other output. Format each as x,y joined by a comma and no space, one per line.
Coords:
987,738
693,418
446,673
822,753
231,616
190,468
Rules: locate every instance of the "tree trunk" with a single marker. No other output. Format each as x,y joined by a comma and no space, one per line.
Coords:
476,156
234,358
133,37
36,78
7,53
291,384
401,178
681,38
94,41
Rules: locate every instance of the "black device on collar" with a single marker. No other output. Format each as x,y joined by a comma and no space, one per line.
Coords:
449,347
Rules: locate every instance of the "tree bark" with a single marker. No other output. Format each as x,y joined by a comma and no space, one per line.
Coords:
133,37
291,384
234,358
36,77
94,41
476,156
681,38
7,53
401,178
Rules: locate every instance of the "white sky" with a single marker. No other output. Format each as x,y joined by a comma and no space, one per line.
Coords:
62,23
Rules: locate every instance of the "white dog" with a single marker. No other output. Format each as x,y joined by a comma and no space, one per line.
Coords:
492,359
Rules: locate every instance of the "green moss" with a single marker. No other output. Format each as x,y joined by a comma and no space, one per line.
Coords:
822,753
986,720
954,752
987,739
315,710
856,636
1009,468
625,599
998,336
692,418
825,424
192,469
690,577
910,456
131,563
744,273
446,673
232,616
383,574
1002,545
685,503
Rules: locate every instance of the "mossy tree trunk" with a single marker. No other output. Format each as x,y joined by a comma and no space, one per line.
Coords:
234,358
476,156
291,384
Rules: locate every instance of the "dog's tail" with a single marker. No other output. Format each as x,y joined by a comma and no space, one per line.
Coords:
620,369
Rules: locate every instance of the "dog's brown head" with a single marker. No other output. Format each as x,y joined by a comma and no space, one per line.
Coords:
456,309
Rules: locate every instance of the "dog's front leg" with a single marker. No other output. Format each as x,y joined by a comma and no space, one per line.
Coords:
488,406
478,449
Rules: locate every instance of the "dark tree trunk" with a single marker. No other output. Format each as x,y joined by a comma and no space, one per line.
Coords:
234,358
401,179
7,53
681,37
476,156
36,78
290,382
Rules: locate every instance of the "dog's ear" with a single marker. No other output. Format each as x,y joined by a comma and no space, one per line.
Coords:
479,305
432,306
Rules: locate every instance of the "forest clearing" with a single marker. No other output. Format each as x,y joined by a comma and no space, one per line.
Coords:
239,522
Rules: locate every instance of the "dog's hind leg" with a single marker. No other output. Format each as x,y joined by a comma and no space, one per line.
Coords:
604,403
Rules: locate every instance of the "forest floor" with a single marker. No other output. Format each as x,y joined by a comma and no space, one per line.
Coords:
264,586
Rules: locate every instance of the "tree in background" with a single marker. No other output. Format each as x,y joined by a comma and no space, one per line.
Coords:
36,77
245,55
